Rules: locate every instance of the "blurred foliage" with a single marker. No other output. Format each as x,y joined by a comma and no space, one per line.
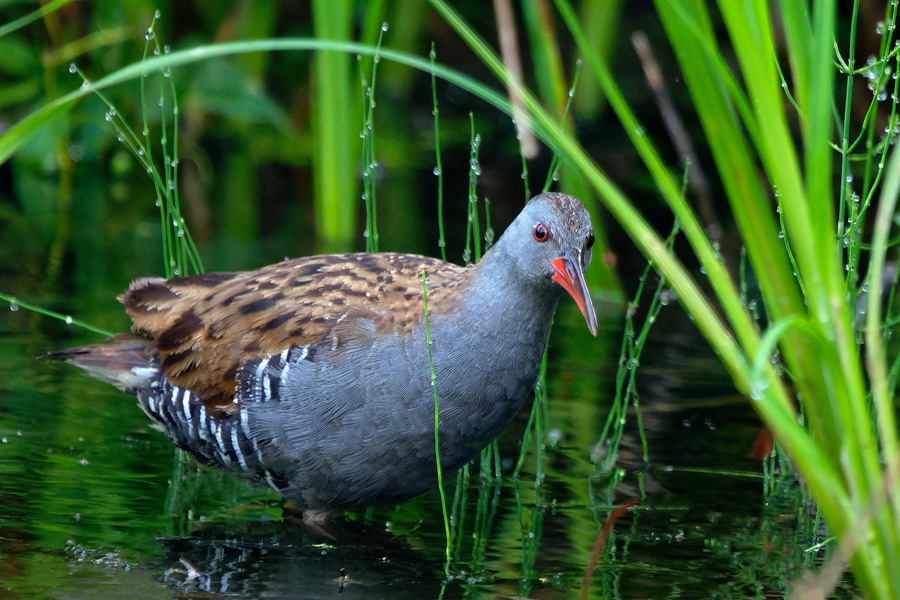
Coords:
268,143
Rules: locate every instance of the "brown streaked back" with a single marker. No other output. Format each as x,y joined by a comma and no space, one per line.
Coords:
206,327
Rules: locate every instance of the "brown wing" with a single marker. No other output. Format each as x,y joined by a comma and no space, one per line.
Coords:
206,327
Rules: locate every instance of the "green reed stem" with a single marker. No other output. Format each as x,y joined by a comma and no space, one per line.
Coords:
370,164
15,304
335,156
629,361
437,445
556,162
473,235
438,169
32,16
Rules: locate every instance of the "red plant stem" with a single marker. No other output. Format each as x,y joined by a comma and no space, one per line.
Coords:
614,516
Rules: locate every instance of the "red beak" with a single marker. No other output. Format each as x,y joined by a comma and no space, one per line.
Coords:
568,273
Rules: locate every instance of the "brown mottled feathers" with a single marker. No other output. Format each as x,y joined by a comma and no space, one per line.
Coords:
206,327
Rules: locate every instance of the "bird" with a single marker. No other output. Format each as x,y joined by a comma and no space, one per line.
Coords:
314,375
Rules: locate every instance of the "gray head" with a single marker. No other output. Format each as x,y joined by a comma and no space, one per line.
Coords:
549,243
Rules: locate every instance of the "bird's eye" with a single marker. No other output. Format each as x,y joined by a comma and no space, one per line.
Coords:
541,233
590,242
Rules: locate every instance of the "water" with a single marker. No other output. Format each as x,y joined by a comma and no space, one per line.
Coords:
88,507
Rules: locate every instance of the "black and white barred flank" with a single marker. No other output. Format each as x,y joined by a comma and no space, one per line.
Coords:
222,438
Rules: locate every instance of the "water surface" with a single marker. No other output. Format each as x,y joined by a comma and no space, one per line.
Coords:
94,502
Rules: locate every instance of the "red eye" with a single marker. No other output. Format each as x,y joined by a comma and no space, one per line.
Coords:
541,233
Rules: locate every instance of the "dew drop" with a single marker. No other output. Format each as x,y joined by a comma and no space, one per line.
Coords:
72,68
68,320
384,26
758,388
13,305
437,171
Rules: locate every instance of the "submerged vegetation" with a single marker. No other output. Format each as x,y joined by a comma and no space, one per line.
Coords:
795,291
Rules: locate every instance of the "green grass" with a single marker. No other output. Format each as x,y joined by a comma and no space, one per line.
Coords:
847,453
606,449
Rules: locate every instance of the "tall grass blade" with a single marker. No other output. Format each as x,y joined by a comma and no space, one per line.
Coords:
32,16
335,160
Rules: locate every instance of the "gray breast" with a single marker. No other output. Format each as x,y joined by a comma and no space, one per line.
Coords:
354,426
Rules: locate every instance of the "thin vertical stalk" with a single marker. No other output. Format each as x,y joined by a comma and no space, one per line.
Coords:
437,445
875,350
438,169
473,233
370,164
